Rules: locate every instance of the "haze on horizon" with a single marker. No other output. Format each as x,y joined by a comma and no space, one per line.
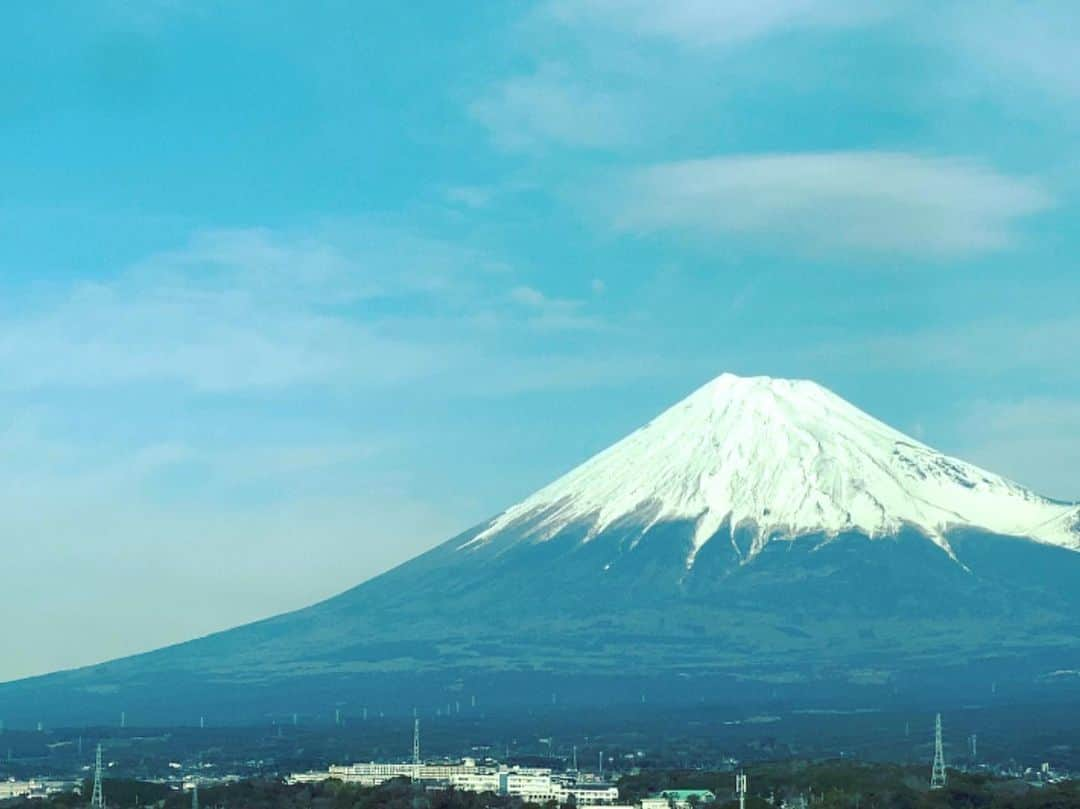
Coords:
290,295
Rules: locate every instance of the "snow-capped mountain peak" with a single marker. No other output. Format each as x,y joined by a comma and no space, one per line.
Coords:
784,458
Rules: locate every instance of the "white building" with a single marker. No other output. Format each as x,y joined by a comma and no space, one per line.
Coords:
21,789
532,784
310,777
590,794
655,803
479,781
372,774
540,786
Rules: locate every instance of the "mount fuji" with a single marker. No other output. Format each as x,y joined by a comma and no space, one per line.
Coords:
780,458
761,533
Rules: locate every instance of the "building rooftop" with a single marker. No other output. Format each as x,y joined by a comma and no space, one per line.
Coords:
687,794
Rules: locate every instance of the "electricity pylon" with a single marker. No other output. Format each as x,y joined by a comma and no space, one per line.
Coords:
97,798
937,773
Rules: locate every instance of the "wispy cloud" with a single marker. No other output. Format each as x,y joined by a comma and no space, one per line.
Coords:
981,348
120,433
550,107
254,309
556,314
1035,440
231,310
1009,46
602,92
469,196
706,23
147,15
865,201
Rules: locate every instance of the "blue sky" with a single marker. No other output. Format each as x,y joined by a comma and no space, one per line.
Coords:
291,292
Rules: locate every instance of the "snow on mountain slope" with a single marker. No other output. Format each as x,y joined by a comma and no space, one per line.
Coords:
784,458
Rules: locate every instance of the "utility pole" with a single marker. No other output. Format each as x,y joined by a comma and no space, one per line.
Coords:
97,798
416,745
937,772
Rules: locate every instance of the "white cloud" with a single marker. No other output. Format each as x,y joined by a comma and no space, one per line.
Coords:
469,196
549,106
233,310
253,309
710,23
867,201
1009,46
980,348
528,296
107,463
553,314
147,15
604,80
1034,440
211,340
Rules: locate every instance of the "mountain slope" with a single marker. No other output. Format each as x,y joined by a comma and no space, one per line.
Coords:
760,531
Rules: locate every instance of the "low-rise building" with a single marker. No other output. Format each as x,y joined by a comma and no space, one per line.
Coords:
373,774
531,784
21,789
655,803
310,777
476,781
685,798
590,794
